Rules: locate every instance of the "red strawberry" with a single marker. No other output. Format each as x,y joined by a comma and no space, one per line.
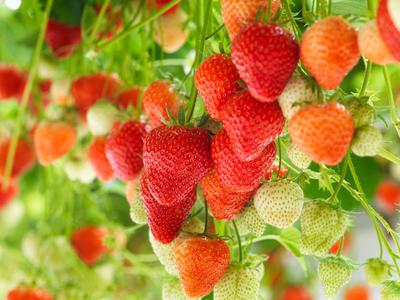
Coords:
24,157
88,243
216,79
124,149
62,39
274,170
224,204
323,132
129,97
357,292
389,32
238,13
329,50
87,90
158,4
388,195
53,140
21,293
201,262
158,96
265,56
8,194
295,293
12,82
237,175
251,125
165,222
96,154
175,159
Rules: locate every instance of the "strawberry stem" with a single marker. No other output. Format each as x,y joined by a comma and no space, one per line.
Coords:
333,199
339,253
99,18
392,103
366,78
295,27
280,156
239,241
205,217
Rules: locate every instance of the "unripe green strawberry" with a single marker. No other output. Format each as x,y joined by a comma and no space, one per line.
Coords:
101,118
363,114
376,270
334,273
279,203
367,141
137,211
298,158
172,290
321,227
249,221
390,290
296,94
239,283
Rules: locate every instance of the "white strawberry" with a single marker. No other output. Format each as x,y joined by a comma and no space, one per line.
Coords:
101,118
394,12
80,169
377,271
172,290
367,141
137,211
249,221
298,158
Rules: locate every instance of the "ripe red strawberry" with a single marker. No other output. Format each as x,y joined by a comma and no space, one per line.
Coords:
357,292
251,125
165,222
238,13
201,262
129,97
329,50
8,194
53,140
295,293
24,157
22,293
323,132
388,30
238,175
158,96
265,56
96,154
158,4
224,204
62,39
388,195
216,79
12,82
88,243
87,90
175,159
124,149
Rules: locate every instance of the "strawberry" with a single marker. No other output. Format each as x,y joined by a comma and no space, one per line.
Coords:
80,169
279,203
372,46
88,243
249,221
390,290
137,211
367,141
12,82
240,283
8,194
96,154
295,293
388,195
377,271
357,292
165,222
298,158
175,159
52,140
124,148
363,113
87,90
61,38
170,32
297,93
216,79
238,13
334,273
251,125
22,293
329,50
238,175
158,4
129,97
158,96
387,27
101,117
265,56
323,132
172,290
321,227
201,263
224,204
274,170
24,157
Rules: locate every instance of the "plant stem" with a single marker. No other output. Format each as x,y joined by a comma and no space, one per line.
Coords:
386,154
392,102
333,199
366,78
205,216
99,18
26,95
280,157
295,27
340,246
239,241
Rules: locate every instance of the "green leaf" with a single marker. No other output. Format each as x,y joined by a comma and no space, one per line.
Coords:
353,7
290,239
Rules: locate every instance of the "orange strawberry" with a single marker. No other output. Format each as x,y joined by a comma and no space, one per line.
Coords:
238,13
8,194
21,293
96,154
329,50
24,157
357,292
323,132
295,293
387,27
201,262
53,140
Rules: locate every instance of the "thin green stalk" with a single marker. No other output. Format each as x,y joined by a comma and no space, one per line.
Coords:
215,32
392,102
293,22
340,246
205,217
239,241
386,154
333,199
366,78
377,230
26,94
99,18
280,156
